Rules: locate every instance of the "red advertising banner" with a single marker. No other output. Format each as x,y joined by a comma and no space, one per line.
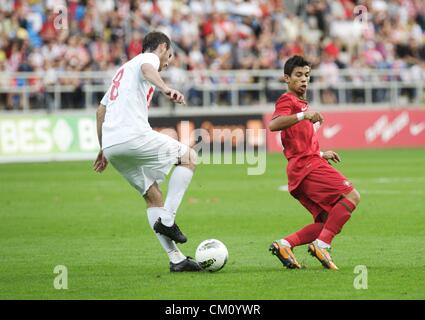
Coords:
364,129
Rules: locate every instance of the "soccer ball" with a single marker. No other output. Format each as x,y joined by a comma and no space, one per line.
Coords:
211,255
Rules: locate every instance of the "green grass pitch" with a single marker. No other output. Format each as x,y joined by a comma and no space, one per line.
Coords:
65,214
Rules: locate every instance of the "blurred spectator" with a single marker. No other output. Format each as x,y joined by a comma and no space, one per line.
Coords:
4,83
329,74
209,27
213,34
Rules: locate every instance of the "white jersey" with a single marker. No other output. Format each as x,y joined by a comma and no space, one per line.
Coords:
127,102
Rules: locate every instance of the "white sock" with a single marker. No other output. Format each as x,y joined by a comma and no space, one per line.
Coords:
284,243
322,245
179,182
167,218
170,247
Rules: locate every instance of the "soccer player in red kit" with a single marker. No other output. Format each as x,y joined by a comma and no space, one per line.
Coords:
320,188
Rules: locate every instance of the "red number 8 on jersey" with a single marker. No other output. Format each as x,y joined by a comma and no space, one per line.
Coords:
115,84
149,96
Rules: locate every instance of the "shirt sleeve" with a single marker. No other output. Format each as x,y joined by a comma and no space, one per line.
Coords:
150,58
282,107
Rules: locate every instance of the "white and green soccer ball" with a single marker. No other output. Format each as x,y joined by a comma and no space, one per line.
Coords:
211,255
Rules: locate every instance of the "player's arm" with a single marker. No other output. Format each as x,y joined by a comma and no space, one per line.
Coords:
100,117
100,162
152,75
283,122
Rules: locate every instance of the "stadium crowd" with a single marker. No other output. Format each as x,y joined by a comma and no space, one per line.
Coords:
92,35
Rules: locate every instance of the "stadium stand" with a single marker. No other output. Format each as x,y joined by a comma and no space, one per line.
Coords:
65,49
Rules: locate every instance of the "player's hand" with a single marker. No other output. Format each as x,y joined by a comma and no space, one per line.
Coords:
175,96
331,155
313,116
100,163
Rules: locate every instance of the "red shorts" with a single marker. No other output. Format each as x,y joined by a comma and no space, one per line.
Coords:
321,189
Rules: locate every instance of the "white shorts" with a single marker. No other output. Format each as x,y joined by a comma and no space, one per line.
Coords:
146,159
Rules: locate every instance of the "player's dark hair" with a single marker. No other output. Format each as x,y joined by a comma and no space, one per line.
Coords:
293,62
153,39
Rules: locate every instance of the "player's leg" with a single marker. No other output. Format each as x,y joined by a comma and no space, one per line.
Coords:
338,217
179,182
129,160
330,189
165,222
283,248
155,208
180,179
159,153
305,235
353,196
311,231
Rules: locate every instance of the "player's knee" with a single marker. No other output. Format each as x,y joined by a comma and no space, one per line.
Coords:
190,159
354,196
193,156
357,196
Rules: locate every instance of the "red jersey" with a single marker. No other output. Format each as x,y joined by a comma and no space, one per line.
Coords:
299,141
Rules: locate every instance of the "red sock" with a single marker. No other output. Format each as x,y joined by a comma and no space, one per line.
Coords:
337,217
306,235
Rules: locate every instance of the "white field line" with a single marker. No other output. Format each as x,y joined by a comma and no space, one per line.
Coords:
393,192
390,180
385,180
284,188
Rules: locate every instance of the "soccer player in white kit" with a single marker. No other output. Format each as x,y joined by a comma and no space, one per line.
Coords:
143,156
